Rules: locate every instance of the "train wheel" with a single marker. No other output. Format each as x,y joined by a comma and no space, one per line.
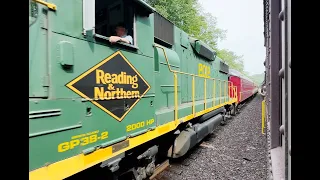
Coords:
233,110
237,108
223,122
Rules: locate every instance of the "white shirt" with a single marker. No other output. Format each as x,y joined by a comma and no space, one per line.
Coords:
127,37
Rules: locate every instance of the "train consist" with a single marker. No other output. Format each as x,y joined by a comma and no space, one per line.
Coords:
245,86
277,86
115,107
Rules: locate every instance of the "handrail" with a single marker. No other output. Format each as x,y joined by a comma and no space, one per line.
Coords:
205,93
220,92
174,71
175,96
193,100
263,116
214,93
49,5
226,94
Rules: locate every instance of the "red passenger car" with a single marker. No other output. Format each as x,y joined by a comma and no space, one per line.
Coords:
246,88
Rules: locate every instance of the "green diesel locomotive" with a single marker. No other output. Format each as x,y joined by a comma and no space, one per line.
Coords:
100,101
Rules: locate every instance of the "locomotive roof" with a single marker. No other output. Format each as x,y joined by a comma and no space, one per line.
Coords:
234,72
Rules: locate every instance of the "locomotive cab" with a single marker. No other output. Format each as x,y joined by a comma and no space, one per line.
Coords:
101,17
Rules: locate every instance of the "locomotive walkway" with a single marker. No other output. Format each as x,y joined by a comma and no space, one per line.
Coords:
236,151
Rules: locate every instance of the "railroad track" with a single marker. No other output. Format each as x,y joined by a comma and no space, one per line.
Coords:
162,167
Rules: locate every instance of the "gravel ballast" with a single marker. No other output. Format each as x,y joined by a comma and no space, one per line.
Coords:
236,150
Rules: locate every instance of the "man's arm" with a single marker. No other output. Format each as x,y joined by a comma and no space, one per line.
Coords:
127,39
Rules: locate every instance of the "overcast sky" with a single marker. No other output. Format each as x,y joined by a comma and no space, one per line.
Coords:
243,20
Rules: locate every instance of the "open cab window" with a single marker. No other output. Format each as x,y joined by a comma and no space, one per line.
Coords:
101,18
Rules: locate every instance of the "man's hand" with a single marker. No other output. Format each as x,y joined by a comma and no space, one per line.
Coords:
114,39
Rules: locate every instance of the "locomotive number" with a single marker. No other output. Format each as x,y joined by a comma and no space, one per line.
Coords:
138,125
82,140
203,70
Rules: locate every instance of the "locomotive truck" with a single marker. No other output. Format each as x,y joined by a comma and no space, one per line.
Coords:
119,108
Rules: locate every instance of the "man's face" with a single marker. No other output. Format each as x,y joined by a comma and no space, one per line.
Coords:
120,31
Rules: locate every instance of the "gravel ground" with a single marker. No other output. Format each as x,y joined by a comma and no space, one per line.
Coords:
236,150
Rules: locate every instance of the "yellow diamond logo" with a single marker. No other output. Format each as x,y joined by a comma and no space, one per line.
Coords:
114,85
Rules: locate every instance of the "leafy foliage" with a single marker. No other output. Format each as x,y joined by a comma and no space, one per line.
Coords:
233,60
257,78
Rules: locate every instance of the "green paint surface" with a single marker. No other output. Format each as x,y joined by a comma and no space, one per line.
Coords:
60,53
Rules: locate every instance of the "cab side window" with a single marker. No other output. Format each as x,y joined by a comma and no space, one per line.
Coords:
102,18
110,13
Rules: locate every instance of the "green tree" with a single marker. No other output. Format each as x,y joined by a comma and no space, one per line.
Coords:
210,34
234,61
188,15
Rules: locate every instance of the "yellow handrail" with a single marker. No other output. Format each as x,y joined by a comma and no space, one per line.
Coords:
49,5
193,100
219,91
175,96
263,116
214,93
205,94
225,91
193,87
179,72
